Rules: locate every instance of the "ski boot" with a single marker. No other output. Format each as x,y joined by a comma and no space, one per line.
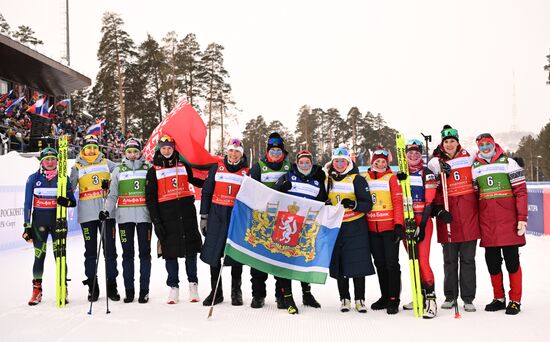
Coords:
36,292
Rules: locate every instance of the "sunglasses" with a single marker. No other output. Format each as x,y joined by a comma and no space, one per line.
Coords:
414,142
449,132
275,141
235,142
340,152
384,152
166,139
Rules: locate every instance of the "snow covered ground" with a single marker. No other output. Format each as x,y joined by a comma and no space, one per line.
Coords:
157,321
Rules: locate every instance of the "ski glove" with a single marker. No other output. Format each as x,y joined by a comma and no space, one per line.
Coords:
401,176
398,233
65,202
28,233
328,202
443,214
522,227
446,168
287,185
103,215
420,232
204,223
159,230
350,204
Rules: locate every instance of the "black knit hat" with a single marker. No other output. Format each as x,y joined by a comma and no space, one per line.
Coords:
275,140
449,133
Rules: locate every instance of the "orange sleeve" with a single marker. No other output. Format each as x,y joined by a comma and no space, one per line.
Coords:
397,201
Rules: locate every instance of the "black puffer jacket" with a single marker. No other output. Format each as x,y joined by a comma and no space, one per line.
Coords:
178,216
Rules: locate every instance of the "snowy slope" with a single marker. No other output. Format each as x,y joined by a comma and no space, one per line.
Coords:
157,321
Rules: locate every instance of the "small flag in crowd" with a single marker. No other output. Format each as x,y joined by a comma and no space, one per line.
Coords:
96,128
39,107
280,234
63,103
13,106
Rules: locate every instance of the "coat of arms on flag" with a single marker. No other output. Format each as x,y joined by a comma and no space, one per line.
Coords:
281,234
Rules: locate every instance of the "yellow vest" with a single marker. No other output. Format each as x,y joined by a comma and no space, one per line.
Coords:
344,189
90,177
382,205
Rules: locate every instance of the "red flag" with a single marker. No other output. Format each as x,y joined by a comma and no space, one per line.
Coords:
185,125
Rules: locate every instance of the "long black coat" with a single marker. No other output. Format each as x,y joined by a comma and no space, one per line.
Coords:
178,217
351,256
219,217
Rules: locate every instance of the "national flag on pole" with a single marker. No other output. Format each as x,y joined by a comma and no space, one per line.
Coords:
185,125
39,107
63,103
280,234
13,105
97,128
5,96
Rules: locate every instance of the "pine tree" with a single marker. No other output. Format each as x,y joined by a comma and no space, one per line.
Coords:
172,82
213,81
547,68
306,130
528,151
78,101
25,34
255,138
115,54
188,61
355,122
4,26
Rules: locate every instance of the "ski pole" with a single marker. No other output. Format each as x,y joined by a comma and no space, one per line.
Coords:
443,176
95,273
104,191
216,289
427,139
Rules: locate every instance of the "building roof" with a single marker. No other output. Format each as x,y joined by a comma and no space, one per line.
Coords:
23,65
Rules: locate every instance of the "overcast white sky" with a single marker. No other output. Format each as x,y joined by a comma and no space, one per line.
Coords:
420,63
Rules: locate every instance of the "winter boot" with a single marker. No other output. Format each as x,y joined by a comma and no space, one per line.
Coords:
36,292
194,293
290,305
280,302
143,296
174,295
309,300
208,300
408,306
236,293
112,291
345,305
130,294
380,304
92,297
449,303
496,305
469,307
393,306
360,306
257,302
430,305
513,308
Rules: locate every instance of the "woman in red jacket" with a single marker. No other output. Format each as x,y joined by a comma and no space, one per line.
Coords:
385,223
503,218
459,230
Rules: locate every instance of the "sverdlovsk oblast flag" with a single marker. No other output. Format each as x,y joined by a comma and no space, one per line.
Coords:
281,234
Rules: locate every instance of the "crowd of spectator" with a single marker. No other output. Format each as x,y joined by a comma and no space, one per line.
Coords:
15,131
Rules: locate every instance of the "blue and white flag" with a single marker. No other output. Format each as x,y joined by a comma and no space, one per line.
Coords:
284,235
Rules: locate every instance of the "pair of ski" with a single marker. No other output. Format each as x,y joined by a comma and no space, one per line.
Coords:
410,228
60,243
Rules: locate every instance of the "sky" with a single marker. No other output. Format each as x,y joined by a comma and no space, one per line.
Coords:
421,64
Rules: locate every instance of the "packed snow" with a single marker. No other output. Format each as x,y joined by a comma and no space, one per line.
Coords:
157,320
